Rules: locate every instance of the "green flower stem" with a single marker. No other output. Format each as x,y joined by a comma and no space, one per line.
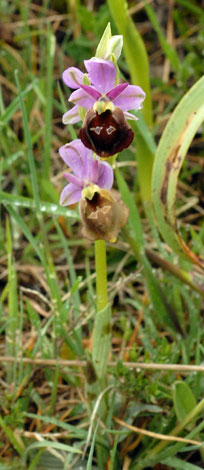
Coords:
102,325
101,274
96,374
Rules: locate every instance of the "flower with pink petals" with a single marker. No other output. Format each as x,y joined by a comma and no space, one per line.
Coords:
102,87
87,171
105,129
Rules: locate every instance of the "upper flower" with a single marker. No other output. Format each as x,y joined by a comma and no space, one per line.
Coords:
86,172
100,87
107,133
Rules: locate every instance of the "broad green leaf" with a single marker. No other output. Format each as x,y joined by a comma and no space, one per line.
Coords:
183,398
173,146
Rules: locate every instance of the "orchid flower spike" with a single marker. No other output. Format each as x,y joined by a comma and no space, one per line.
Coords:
87,171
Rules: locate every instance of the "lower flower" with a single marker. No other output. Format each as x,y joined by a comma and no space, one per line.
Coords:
103,214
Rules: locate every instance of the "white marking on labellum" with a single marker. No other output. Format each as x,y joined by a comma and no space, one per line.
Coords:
110,130
97,129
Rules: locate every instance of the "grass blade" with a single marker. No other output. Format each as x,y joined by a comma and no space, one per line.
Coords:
179,464
168,50
45,207
49,104
12,306
30,149
15,441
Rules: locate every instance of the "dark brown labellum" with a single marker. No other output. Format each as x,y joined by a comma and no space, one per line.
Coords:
107,133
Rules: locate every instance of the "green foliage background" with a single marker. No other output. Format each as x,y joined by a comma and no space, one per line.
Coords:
47,275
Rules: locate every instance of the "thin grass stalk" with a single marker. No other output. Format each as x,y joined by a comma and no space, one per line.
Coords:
49,105
12,307
28,140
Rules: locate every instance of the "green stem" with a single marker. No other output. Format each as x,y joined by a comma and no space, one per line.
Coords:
101,274
101,338
102,325
96,375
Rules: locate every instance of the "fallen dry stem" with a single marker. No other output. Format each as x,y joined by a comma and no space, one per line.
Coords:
132,365
155,435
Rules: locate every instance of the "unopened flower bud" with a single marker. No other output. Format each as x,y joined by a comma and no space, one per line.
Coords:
115,45
109,45
106,133
103,214
103,44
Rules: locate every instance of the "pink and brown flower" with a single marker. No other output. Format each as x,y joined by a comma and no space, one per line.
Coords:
105,128
103,214
86,171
